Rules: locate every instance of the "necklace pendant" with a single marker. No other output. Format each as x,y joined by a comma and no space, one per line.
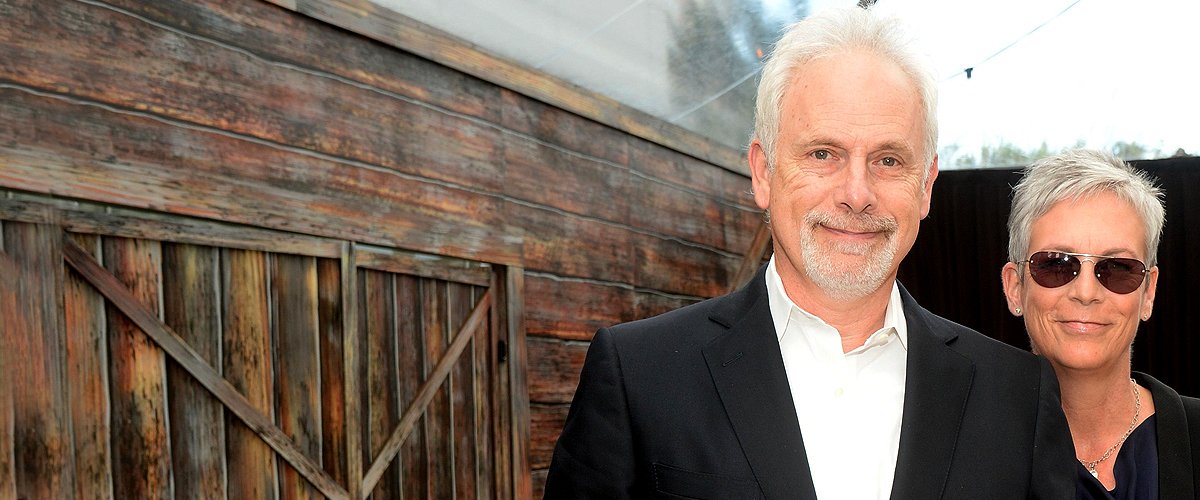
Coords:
1093,472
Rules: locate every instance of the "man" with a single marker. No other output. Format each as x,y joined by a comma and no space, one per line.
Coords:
822,377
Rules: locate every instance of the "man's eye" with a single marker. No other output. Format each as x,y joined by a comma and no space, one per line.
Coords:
820,154
888,161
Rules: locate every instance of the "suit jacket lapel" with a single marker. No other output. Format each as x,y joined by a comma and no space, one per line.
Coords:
1174,450
935,393
748,373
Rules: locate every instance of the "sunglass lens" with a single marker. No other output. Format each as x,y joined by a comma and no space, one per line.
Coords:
1053,269
1121,275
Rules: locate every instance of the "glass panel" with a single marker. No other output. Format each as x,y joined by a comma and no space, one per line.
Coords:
1045,74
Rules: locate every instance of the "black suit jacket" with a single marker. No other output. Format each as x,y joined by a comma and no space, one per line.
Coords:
1177,426
695,403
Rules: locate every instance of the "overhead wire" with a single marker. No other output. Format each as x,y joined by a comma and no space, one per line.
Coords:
969,70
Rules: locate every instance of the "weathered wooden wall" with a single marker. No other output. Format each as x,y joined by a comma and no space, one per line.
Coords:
250,113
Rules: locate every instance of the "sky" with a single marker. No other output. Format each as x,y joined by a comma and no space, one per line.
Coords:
1096,72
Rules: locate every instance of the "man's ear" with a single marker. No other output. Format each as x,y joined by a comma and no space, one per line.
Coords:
760,174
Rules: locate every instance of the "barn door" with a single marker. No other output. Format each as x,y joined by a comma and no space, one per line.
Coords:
167,357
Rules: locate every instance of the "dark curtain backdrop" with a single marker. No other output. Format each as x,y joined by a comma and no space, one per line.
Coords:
954,267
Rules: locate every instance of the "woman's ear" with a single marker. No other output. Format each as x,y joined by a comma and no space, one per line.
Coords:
1010,276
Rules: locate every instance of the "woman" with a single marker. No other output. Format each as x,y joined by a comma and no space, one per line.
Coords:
1083,234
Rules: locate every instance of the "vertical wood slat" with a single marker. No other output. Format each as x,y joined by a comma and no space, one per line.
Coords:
518,397
412,369
191,308
295,323
429,390
500,359
382,411
462,395
437,415
484,393
352,403
247,366
87,373
333,389
142,455
238,405
8,329
40,415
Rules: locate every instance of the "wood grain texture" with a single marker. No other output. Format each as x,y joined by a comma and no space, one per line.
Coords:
545,424
554,368
87,348
192,308
295,325
461,382
574,309
142,456
381,409
333,383
99,154
518,384
120,297
413,367
37,353
247,367
435,323
8,329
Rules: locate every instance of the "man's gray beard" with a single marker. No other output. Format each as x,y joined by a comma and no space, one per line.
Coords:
848,280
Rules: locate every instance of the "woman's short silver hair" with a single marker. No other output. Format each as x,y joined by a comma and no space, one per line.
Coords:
1077,174
830,32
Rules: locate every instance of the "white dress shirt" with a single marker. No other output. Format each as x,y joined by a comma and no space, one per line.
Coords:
849,404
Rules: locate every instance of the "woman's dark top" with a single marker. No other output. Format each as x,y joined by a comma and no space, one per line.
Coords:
1136,469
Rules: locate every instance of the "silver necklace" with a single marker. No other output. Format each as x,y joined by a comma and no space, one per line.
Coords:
1137,410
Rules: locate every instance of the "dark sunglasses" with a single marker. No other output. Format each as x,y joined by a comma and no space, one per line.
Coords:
1118,274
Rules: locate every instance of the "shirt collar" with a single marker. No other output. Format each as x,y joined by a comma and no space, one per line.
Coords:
782,307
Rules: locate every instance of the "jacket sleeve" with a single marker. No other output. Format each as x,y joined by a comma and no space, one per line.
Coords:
594,454
1053,451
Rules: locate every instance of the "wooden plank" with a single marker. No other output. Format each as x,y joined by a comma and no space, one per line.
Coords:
96,218
554,367
280,35
484,393
142,455
8,329
573,309
428,391
394,28
651,161
579,184
461,385
545,424
382,410
547,124
501,400
47,146
351,349
35,347
518,368
247,367
423,265
192,309
435,323
295,325
412,369
333,383
210,84
87,348
238,405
